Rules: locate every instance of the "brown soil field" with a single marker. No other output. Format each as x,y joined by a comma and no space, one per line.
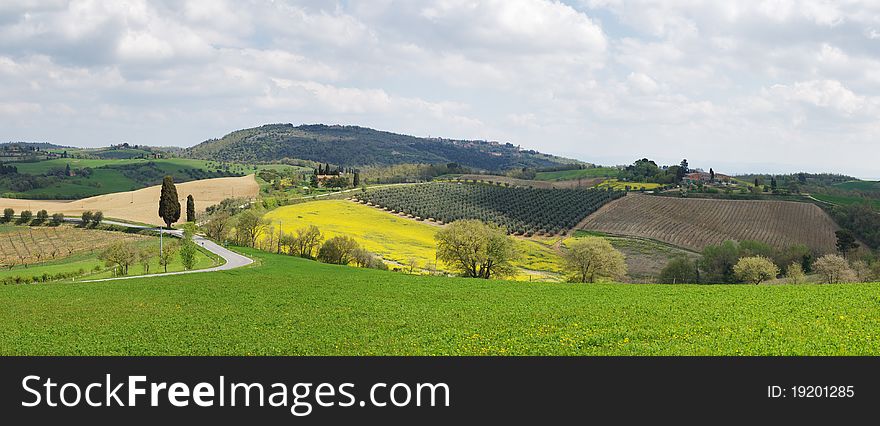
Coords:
567,184
142,205
32,244
697,223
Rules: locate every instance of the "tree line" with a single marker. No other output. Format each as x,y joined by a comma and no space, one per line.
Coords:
27,217
754,262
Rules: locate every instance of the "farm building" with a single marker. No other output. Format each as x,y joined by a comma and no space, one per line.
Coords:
704,177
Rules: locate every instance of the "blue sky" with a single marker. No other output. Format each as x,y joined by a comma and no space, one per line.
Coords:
741,86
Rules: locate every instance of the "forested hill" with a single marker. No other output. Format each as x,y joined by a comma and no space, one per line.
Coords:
359,146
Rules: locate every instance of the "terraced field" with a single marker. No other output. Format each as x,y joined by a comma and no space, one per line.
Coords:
696,223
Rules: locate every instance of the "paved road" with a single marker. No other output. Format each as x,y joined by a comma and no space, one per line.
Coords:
233,259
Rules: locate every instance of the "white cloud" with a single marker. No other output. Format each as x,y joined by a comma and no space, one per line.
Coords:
604,80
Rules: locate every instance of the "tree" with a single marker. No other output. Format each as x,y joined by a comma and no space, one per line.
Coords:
97,218
680,270
121,254
249,228
217,226
593,258
365,259
188,247
718,262
166,256
755,269
711,175
8,214
339,250
834,269
42,216
306,241
476,249
795,273
190,209
846,242
25,216
57,219
86,217
169,205
145,256
356,180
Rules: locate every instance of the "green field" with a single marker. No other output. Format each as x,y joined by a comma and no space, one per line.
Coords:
596,172
397,239
633,186
860,185
291,306
846,200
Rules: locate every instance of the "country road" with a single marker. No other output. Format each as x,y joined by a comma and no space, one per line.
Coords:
232,259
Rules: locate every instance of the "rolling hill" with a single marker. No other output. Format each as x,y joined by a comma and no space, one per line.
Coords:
697,223
352,146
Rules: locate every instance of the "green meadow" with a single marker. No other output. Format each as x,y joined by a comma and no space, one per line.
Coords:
291,306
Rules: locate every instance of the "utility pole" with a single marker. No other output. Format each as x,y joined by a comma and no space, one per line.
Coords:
280,234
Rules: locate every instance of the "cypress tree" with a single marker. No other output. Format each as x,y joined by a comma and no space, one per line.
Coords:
169,205
190,209
356,180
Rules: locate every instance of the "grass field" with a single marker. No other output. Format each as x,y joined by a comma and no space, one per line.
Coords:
846,201
394,238
597,172
633,186
860,185
291,306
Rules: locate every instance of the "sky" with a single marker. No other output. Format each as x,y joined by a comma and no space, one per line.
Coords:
775,86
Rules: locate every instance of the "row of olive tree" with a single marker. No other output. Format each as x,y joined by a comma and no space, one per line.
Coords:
26,217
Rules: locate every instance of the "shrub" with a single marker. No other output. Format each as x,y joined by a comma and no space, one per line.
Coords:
680,270
795,273
57,219
834,269
755,269
593,258
25,216
339,250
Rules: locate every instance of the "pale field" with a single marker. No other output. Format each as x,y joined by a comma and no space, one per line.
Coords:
142,205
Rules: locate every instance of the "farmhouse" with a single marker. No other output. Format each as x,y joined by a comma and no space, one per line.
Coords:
704,177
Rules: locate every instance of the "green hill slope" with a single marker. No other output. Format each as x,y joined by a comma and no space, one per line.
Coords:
358,146
291,306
